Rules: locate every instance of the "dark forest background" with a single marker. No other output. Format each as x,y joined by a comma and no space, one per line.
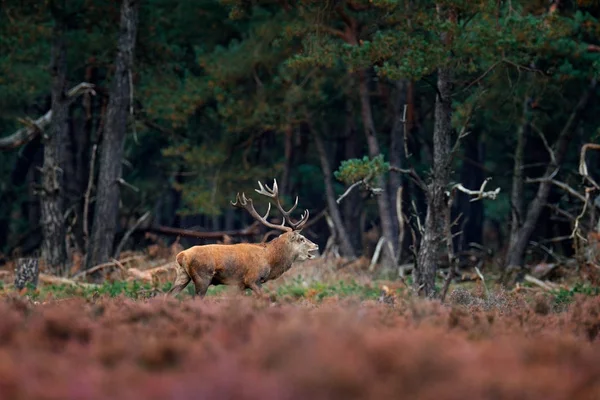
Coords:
161,111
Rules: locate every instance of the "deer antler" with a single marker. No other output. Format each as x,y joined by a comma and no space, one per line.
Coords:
246,203
274,194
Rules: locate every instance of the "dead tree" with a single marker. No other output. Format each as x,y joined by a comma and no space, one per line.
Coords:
520,237
432,241
27,272
334,210
113,142
51,191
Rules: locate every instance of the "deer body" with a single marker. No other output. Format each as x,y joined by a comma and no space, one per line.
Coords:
244,265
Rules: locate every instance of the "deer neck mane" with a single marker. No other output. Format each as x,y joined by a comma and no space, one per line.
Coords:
280,256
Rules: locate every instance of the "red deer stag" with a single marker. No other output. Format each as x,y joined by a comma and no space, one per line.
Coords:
246,265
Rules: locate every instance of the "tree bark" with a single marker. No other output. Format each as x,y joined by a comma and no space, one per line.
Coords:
52,190
332,205
288,161
113,142
516,197
433,242
518,245
397,155
27,272
382,201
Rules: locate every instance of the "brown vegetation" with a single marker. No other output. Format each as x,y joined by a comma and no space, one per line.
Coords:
243,264
245,349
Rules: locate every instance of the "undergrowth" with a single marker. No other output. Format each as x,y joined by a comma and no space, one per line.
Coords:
297,289
250,349
293,290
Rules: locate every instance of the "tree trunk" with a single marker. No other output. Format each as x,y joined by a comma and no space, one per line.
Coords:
113,141
433,240
288,161
332,205
518,244
382,200
516,197
52,190
397,156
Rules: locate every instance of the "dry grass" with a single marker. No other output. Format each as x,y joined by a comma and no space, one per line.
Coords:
245,349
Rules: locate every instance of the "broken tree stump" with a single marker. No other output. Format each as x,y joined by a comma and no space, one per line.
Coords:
26,271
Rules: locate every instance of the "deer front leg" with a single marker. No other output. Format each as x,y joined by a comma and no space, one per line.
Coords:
256,288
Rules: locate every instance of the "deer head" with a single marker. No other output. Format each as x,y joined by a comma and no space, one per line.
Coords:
299,244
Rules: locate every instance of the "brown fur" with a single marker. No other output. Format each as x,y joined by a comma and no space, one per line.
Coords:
244,265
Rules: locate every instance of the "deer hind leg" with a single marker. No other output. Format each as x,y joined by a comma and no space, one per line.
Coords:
181,281
202,278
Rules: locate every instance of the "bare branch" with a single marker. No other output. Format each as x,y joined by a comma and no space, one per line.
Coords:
480,194
560,184
583,171
26,134
400,216
576,225
124,183
347,192
545,250
413,174
377,252
364,182
463,131
34,128
546,144
480,275
140,221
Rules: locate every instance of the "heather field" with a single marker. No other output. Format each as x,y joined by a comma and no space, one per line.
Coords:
329,339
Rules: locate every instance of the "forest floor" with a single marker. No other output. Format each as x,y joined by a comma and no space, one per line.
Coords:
325,332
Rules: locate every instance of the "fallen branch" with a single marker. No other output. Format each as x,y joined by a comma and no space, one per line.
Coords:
538,282
55,280
36,127
250,231
111,263
149,274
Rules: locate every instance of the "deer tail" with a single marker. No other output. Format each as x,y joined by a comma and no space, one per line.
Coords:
182,261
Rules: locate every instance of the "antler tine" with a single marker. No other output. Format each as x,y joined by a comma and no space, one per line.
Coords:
298,225
294,206
268,211
265,191
273,193
246,203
